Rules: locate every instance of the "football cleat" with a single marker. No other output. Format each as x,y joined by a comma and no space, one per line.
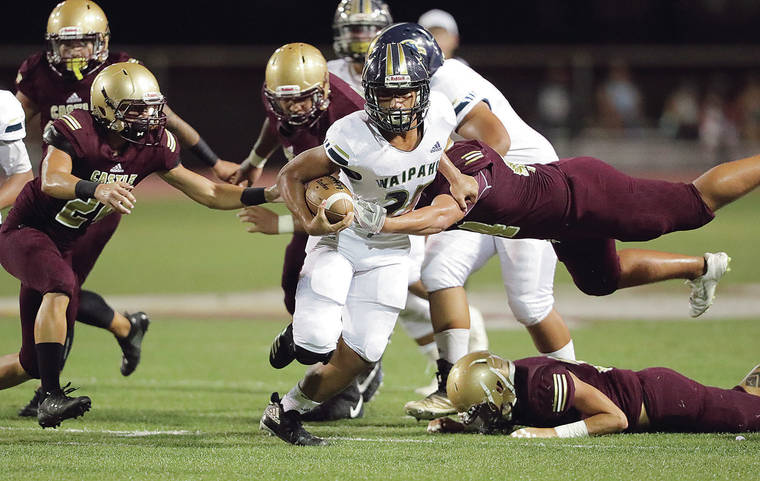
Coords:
437,404
30,410
703,287
370,383
131,346
283,350
58,406
286,425
348,404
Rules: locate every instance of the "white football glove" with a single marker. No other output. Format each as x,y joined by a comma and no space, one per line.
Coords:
370,216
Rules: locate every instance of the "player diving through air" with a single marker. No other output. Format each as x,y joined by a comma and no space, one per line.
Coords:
583,204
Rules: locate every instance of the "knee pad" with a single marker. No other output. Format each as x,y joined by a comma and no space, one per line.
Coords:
304,356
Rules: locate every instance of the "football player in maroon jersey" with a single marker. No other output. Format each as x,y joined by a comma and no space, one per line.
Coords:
50,85
583,205
93,161
549,397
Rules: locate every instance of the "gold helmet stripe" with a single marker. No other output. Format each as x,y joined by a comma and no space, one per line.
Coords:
388,60
402,70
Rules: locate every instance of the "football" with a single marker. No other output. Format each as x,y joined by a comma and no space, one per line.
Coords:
332,191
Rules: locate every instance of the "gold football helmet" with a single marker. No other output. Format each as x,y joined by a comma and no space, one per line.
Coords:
77,37
126,99
482,380
355,24
297,84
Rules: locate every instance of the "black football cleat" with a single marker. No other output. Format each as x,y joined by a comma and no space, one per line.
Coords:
30,410
349,404
287,425
57,406
283,350
131,346
370,383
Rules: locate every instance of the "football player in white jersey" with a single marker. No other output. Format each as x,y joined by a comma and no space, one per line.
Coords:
355,24
348,295
527,265
14,159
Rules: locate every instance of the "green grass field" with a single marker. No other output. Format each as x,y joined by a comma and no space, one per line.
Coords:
191,409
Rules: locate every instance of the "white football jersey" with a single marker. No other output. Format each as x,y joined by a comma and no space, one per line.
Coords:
376,171
343,69
464,88
14,158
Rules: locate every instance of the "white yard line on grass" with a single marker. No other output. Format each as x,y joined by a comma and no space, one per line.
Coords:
128,434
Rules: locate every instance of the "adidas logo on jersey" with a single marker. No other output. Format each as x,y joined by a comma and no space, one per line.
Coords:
436,148
117,169
73,98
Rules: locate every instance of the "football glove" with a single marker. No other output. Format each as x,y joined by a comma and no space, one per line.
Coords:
370,216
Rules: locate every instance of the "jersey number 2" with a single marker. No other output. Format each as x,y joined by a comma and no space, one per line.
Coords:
77,211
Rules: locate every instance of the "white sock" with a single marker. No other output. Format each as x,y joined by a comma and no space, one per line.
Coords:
296,399
452,344
430,351
566,352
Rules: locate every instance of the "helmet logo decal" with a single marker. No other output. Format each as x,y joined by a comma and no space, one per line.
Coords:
70,32
152,97
288,89
414,43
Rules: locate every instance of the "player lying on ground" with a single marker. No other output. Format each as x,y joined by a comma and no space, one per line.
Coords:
93,162
583,204
543,397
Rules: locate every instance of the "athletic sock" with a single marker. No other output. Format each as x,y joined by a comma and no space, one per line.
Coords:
94,310
296,399
430,351
49,360
566,352
452,344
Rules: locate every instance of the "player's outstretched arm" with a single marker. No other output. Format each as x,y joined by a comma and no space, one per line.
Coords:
600,416
481,124
442,213
267,222
190,139
306,166
59,182
212,194
252,167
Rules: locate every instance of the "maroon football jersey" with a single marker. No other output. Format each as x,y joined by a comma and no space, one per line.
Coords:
94,160
343,101
54,94
570,199
545,391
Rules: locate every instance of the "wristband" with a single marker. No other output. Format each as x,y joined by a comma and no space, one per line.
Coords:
204,152
285,224
253,196
85,189
256,160
577,429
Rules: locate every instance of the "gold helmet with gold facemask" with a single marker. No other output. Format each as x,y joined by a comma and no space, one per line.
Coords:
355,24
296,84
77,37
127,100
482,385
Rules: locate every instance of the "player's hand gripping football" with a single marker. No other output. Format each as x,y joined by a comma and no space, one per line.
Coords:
369,216
319,225
464,189
117,195
261,219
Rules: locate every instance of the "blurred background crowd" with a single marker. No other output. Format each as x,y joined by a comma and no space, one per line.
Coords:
645,85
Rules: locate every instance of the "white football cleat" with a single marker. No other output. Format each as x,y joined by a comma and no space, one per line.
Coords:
703,287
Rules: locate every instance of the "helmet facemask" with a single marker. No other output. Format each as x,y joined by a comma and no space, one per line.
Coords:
292,94
395,70
69,38
138,121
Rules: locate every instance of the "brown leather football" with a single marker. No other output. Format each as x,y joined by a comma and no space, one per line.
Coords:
334,193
